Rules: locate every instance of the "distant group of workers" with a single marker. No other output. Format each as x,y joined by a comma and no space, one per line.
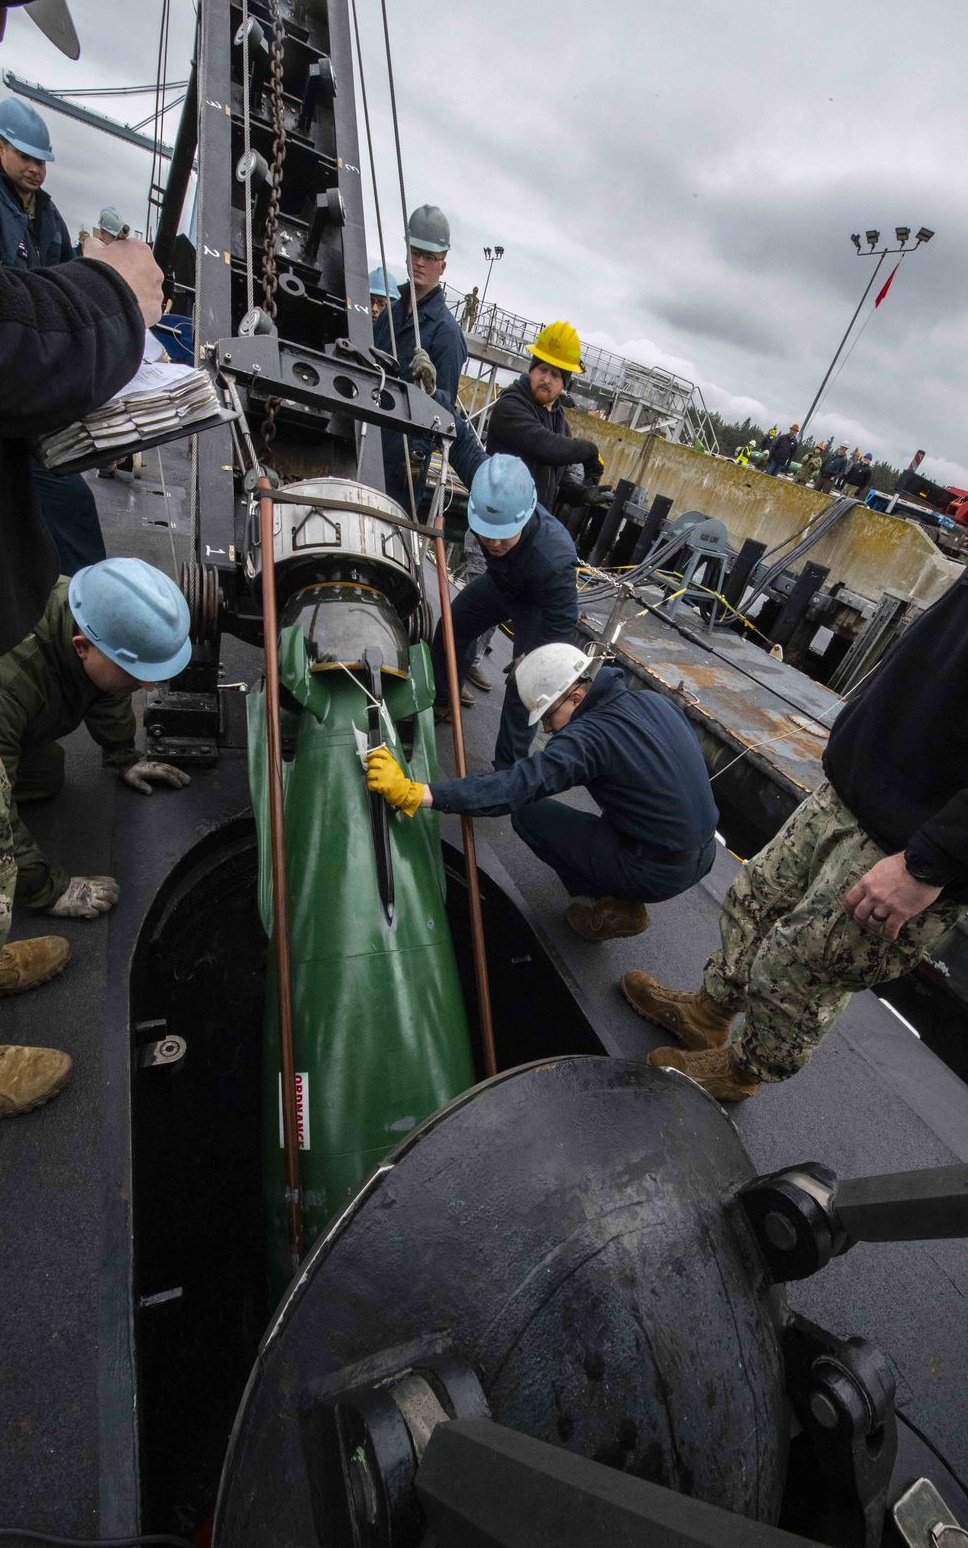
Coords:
826,466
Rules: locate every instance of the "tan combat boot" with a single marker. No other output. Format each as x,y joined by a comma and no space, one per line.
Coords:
695,1018
608,919
29,1077
25,964
717,1070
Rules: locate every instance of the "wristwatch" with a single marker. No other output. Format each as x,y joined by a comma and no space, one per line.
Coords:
923,871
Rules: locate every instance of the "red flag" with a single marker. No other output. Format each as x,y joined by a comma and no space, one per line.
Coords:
886,286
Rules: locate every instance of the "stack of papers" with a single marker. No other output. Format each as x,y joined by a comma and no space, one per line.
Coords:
162,402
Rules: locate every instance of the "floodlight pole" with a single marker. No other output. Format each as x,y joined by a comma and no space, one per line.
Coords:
881,255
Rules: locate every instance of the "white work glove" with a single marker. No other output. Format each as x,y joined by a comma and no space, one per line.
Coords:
423,371
138,775
86,897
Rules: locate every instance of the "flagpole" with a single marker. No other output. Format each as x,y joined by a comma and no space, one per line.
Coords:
819,394
903,234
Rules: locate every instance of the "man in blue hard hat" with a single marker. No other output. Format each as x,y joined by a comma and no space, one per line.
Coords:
436,365
530,573
383,290
115,627
32,231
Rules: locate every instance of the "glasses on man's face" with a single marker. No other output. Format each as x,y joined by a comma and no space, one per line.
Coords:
417,255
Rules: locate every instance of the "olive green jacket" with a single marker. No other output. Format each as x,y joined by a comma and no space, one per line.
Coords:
45,694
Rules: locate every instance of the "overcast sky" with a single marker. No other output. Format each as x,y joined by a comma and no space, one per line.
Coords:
679,179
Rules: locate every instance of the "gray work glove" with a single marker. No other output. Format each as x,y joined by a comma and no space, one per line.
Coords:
423,371
138,775
86,897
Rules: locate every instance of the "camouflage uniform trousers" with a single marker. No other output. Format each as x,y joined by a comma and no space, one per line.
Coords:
8,864
791,955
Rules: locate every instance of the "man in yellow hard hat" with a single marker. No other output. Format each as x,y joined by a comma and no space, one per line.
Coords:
528,421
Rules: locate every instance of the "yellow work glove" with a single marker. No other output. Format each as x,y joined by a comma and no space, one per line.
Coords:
386,777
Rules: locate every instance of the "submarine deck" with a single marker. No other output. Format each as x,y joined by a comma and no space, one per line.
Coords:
874,1098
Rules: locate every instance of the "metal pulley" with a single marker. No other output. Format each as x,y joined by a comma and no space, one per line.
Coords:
200,588
256,324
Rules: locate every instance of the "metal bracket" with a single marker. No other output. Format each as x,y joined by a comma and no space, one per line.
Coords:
792,1217
843,1394
271,367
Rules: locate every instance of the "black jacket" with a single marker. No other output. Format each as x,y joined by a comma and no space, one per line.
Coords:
783,448
537,576
856,478
520,426
70,337
898,752
634,751
833,465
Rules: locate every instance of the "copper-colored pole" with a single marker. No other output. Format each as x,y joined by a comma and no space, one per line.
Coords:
467,825
280,884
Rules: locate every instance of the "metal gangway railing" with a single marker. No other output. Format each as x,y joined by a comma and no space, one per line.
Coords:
628,393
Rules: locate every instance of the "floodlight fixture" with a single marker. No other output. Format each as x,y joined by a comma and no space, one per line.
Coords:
924,235
487,254
499,252
856,240
873,238
903,234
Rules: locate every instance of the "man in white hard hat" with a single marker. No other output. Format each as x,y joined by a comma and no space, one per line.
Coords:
639,759
110,227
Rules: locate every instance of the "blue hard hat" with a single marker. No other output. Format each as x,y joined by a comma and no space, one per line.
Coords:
22,126
382,283
135,615
502,497
868,457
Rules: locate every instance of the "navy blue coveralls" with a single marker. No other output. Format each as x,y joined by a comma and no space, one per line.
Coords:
637,755
534,586
66,503
441,337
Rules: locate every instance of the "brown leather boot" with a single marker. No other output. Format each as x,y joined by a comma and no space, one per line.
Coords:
717,1070
25,964
608,919
29,1077
695,1018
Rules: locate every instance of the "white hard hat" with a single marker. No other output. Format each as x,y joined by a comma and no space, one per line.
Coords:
545,675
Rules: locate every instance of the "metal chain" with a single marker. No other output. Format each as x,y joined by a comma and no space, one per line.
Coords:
270,273
247,159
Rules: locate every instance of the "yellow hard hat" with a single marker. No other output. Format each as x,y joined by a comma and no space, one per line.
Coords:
558,345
